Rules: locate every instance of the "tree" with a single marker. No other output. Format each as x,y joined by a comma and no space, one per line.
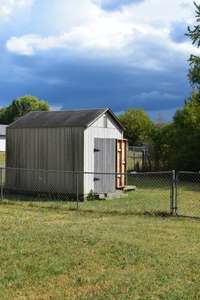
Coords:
20,107
186,121
194,35
138,126
177,145
187,141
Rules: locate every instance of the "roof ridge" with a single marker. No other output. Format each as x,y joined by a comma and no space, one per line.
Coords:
67,110
65,118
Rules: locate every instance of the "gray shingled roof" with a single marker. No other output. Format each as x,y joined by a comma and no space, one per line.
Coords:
68,118
3,130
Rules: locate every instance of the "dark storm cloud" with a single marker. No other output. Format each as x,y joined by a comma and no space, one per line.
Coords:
74,83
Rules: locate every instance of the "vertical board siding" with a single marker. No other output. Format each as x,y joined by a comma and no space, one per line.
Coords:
40,149
96,131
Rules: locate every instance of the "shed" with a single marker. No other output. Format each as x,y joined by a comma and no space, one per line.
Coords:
46,149
3,138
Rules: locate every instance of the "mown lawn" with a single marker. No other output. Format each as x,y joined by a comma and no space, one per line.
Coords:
189,199
109,249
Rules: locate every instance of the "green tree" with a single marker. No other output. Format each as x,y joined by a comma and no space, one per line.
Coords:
162,147
138,126
186,122
177,145
20,107
194,35
187,141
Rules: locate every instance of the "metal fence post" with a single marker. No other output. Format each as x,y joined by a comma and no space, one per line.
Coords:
176,193
1,183
77,192
173,194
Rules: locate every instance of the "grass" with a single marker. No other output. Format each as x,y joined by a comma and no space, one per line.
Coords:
189,199
106,250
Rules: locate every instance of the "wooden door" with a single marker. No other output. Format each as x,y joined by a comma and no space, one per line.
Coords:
122,148
104,162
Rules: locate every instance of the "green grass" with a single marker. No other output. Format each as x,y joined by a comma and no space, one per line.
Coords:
189,199
2,159
107,250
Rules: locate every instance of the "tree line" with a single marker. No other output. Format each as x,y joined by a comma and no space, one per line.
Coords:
172,146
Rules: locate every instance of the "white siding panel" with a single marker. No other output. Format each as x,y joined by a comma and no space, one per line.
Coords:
100,122
2,144
89,135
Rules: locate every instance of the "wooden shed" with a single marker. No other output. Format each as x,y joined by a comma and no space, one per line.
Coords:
3,138
42,147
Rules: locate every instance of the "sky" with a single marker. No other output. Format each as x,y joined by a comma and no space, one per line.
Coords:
97,53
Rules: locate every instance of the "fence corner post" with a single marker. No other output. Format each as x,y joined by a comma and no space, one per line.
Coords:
173,194
77,191
1,183
176,192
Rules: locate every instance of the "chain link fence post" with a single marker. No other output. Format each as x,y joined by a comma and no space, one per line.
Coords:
176,194
172,194
1,183
77,191
173,197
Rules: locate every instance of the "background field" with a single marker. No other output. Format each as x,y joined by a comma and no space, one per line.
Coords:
2,159
109,249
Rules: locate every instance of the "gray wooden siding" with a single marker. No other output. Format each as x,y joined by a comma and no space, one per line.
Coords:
45,149
104,162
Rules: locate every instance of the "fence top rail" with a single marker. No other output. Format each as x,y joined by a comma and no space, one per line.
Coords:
189,172
150,173
133,173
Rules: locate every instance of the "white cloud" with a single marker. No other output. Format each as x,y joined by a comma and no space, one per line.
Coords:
56,107
156,94
124,33
8,7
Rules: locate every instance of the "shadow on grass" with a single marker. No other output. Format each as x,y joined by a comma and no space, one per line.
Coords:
81,211
188,217
60,207
160,214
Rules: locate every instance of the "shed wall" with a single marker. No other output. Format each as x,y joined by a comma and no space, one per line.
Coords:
96,130
55,149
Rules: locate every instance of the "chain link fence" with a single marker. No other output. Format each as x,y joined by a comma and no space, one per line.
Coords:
154,191
188,194
31,185
148,192
144,192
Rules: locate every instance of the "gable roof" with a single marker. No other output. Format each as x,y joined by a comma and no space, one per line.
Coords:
3,130
67,118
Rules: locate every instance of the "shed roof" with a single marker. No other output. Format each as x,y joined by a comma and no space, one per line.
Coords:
3,130
67,118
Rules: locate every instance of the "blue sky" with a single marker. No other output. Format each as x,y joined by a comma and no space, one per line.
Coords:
95,53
